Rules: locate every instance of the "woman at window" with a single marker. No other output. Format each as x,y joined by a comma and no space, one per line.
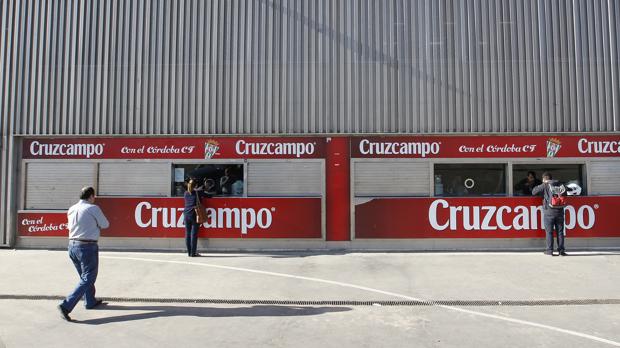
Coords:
191,197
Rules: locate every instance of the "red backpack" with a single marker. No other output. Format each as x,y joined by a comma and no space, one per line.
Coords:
558,199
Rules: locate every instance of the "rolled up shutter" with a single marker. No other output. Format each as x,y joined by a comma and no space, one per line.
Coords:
604,177
56,185
391,178
295,178
135,179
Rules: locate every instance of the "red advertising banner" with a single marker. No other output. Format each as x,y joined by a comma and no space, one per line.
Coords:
485,146
314,147
173,148
42,224
481,217
163,218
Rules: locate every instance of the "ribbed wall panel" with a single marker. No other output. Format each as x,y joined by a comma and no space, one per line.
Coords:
295,66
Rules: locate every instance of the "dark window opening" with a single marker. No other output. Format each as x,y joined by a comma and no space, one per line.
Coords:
214,179
458,180
526,176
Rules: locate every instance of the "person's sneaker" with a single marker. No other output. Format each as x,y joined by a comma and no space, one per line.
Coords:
99,302
196,255
563,253
550,253
63,313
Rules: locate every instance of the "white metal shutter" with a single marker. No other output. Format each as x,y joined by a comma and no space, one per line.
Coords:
56,185
604,177
135,179
295,178
391,178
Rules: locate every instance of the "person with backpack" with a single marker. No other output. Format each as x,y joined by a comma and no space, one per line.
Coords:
554,201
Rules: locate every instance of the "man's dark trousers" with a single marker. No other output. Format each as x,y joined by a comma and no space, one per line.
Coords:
85,257
554,222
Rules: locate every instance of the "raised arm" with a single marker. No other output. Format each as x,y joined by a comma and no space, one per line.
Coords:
538,189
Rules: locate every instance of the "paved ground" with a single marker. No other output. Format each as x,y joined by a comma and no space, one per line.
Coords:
134,318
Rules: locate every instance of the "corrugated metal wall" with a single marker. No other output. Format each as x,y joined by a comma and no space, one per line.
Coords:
301,66
321,66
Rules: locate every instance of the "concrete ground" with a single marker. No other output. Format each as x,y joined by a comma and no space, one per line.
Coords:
147,296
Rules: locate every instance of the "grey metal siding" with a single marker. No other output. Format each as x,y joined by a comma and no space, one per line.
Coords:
294,66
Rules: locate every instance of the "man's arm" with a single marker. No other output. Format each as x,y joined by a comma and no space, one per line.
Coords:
102,222
538,189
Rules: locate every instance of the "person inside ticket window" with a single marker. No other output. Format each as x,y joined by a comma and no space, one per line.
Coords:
226,181
457,187
210,188
525,186
237,188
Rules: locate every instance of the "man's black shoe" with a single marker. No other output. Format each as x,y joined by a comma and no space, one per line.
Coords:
99,302
550,253
63,313
563,253
196,255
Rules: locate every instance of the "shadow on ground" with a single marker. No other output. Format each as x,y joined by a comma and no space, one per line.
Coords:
593,254
208,312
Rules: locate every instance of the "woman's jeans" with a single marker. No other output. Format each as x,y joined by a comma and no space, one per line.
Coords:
191,233
85,257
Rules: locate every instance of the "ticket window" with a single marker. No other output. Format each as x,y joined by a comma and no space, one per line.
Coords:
526,176
465,179
218,180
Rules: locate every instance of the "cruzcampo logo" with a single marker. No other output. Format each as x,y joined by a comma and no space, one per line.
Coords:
553,146
211,147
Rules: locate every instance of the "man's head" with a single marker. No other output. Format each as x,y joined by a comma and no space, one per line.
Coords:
531,175
88,194
547,176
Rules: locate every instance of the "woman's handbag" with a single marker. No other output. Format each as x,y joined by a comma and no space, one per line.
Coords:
201,213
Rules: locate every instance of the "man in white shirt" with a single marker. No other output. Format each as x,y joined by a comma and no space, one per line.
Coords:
85,220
